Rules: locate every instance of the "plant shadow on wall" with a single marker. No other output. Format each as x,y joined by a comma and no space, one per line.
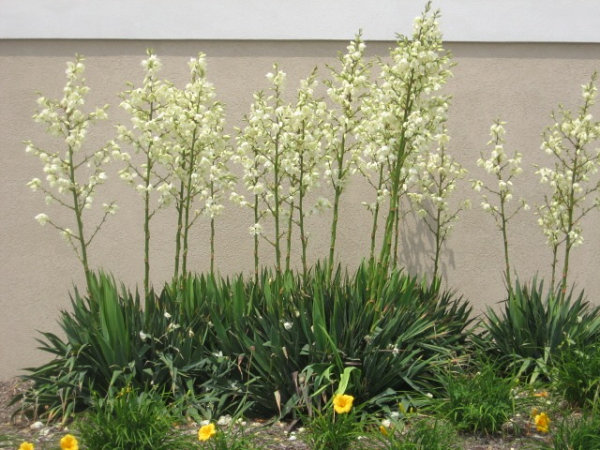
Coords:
417,248
286,343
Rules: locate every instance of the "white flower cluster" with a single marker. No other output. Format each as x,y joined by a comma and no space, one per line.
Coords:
149,107
198,144
260,151
302,139
504,169
347,87
435,176
281,149
570,180
404,113
64,183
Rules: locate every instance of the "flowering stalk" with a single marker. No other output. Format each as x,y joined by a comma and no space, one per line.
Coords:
199,166
382,193
261,153
64,182
567,140
438,174
303,159
403,114
504,169
346,89
147,105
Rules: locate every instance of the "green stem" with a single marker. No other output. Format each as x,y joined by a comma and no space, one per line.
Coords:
188,202
212,232
384,258
554,262
256,239
302,193
396,238
256,219
438,244
505,241
78,209
336,201
147,226
375,217
570,208
212,246
277,206
289,238
179,207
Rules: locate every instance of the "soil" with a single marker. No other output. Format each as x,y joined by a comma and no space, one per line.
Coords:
17,428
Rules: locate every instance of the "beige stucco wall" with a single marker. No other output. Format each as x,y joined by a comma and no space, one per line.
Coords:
520,83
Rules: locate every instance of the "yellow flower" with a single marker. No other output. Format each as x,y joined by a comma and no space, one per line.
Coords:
26,446
69,442
542,422
206,432
383,430
342,403
541,394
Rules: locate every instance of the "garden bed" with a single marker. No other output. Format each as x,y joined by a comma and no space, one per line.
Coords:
267,435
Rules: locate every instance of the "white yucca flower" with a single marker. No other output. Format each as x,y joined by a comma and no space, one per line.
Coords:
72,175
574,188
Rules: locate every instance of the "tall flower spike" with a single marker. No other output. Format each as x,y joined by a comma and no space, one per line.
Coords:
261,152
148,107
303,160
434,179
346,88
72,174
503,168
201,178
403,114
574,186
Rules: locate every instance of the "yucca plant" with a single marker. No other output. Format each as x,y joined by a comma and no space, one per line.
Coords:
99,332
527,333
110,340
285,324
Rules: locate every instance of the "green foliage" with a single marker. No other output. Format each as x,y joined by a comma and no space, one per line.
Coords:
478,402
128,419
233,438
424,433
329,430
297,335
577,434
532,326
576,374
111,341
9,441
276,342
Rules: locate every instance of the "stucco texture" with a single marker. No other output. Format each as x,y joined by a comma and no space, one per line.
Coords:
520,83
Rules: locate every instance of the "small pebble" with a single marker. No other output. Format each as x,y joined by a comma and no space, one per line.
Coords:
36,425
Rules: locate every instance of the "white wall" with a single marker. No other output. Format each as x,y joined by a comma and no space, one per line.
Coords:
463,20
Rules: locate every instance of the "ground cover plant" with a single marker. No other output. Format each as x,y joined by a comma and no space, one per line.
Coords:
127,419
477,402
576,375
366,357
